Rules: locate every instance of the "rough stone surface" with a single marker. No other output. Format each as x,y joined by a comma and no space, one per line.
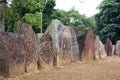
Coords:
86,45
45,52
102,50
65,45
29,45
117,49
113,49
12,53
108,47
74,42
57,30
54,30
99,50
2,23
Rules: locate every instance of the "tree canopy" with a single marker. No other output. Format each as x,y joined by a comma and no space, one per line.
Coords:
108,20
30,11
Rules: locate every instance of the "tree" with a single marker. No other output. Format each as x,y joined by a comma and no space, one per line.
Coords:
28,11
73,18
108,19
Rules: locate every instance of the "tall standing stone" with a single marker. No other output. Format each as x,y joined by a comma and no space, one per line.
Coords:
99,50
108,47
65,46
45,52
12,54
64,39
54,30
74,47
86,45
117,48
29,45
102,50
2,23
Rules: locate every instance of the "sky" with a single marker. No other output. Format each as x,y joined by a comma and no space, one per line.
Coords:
86,7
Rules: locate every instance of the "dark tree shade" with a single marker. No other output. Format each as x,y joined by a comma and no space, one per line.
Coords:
108,20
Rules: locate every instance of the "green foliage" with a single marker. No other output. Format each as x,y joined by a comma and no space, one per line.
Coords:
74,18
108,19
29,11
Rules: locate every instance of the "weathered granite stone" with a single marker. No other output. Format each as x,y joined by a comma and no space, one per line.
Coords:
12,59
86,45
45,60
117,48
108,47
102,50
99,50
97,46
113,49
57,30
74,42
54,30
65,43
29,45
2,23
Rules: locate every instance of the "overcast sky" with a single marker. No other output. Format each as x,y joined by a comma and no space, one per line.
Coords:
87,7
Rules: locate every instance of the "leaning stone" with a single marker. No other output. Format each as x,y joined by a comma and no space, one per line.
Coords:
29,45
45,60
117,49
86,45
12,54
108,47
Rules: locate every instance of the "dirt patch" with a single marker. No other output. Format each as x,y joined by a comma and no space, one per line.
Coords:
104,69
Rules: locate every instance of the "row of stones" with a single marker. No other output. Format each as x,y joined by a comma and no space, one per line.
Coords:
21,51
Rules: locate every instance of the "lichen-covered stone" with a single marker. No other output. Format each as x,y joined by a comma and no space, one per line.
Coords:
86,45
117,49
29,45
74,47
108,47
99,50
65,46
102,50
12,54
45,52
57,30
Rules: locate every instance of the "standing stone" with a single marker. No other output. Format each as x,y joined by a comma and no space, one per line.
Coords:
67,36
45,52
2,23
102,50
113,49
86,45
54,30
65,46
117,49
97,47
74,42
99,50
29,45
12,59
108,47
